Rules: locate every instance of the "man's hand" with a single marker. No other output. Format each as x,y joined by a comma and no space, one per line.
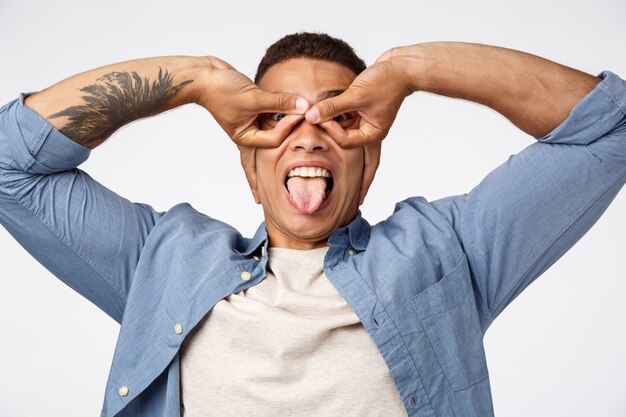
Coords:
236,102
376,95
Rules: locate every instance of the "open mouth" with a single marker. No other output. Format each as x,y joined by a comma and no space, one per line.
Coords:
308,187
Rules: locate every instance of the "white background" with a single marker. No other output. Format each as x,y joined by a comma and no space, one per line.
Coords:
558,350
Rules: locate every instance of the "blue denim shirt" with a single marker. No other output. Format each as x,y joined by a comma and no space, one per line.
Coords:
426,283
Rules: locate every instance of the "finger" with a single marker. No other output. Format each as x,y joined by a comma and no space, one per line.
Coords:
248,162
372,160
365,134
265,102
329,108
271,138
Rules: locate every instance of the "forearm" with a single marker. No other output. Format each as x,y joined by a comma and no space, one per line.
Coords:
533,93
90,106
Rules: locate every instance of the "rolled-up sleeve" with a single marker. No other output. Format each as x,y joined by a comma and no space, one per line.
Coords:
35,146
530,210
85,234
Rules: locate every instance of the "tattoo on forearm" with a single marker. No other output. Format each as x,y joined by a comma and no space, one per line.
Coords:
116,99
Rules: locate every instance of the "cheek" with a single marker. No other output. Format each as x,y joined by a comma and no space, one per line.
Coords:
354,173
356,162
265,169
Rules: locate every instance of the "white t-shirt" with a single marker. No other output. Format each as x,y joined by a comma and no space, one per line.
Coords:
289,346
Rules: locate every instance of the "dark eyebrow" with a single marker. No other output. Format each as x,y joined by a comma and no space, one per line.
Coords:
321,96
328,94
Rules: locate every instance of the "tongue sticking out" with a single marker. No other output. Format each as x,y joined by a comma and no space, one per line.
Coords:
307,192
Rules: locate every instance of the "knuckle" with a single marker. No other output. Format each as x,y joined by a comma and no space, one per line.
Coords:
359,94
254,100
341,141
241,139
393,52
329,108
284,102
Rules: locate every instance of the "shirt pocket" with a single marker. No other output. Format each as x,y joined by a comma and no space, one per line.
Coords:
447,312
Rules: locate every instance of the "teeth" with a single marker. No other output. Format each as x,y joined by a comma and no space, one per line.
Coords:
309,172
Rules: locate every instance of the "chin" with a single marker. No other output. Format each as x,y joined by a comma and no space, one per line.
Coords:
287,226
309,228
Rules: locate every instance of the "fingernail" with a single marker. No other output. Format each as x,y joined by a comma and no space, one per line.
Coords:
313,115
302,104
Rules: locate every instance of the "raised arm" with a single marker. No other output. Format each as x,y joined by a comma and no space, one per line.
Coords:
85,234
90,106
532,92
535,94
530,210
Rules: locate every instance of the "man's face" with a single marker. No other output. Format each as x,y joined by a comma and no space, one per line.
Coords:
293,214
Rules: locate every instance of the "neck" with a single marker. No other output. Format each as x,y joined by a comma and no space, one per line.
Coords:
278,239
285,242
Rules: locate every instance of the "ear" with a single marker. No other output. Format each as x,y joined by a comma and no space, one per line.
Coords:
371,156
248,162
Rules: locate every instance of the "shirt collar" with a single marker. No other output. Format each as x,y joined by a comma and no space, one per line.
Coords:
258,240
358,232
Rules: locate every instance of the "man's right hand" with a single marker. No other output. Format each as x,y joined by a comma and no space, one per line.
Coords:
236,102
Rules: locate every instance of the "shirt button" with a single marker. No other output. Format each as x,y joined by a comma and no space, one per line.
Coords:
351,251
245,275
178,328
256,258
123,391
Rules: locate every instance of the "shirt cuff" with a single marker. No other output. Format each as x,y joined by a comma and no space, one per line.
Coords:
35,145
595,115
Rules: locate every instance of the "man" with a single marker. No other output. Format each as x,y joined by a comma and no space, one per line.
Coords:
318,313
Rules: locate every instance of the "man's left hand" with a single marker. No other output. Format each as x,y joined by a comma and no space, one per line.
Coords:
375,95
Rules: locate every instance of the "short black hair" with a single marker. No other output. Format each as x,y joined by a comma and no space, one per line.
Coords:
310,45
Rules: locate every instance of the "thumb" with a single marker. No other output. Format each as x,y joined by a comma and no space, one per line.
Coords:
333,107
265,102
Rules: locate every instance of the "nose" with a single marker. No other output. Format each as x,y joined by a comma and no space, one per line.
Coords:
308,137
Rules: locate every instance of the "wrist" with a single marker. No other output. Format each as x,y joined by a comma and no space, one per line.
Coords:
410,64
197,69
208,71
